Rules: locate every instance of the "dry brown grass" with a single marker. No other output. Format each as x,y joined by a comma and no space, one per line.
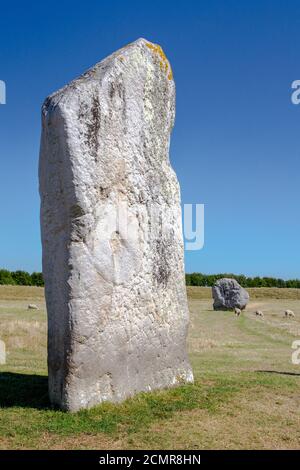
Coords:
202,293
21,293
37,293
81,441
23,334
273,293
250,422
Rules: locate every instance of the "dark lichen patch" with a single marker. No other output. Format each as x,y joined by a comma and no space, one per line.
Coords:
103,192
47,105
161,265
78,225
78,231
93,126
76,211
116,89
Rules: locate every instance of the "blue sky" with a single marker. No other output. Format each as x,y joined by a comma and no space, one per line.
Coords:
235,145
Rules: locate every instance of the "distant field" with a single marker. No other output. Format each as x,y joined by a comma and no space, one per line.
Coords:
29,292
246,392
21,293
254,292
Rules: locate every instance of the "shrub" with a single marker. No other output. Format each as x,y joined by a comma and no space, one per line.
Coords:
6,277
37,279
21,278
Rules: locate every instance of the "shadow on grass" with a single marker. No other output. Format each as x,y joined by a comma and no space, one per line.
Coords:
278,372
23,390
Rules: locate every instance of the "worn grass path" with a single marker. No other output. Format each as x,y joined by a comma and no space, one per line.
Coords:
246,393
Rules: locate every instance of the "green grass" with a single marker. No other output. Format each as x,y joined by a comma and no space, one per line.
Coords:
26,413
246,391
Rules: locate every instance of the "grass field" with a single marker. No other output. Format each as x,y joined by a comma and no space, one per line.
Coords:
246,392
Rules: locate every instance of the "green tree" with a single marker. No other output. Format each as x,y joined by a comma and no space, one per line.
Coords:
21,278
37,279
199,279
6,277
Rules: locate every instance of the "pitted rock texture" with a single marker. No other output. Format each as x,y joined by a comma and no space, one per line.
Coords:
228,295
116,297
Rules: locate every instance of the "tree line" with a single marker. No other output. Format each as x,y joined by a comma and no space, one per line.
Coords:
208,280
23,278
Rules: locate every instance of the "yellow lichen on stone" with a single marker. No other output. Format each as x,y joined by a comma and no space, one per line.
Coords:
163,63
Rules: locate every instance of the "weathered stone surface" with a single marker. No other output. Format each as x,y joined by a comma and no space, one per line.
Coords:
116,298
228,294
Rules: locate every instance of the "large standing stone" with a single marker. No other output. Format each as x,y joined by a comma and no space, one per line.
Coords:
116,298
228,294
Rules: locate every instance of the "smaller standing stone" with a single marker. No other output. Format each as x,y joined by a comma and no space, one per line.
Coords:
228,295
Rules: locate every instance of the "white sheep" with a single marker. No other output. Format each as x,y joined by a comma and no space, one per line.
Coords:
32,307
259,313
237,311
289,314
